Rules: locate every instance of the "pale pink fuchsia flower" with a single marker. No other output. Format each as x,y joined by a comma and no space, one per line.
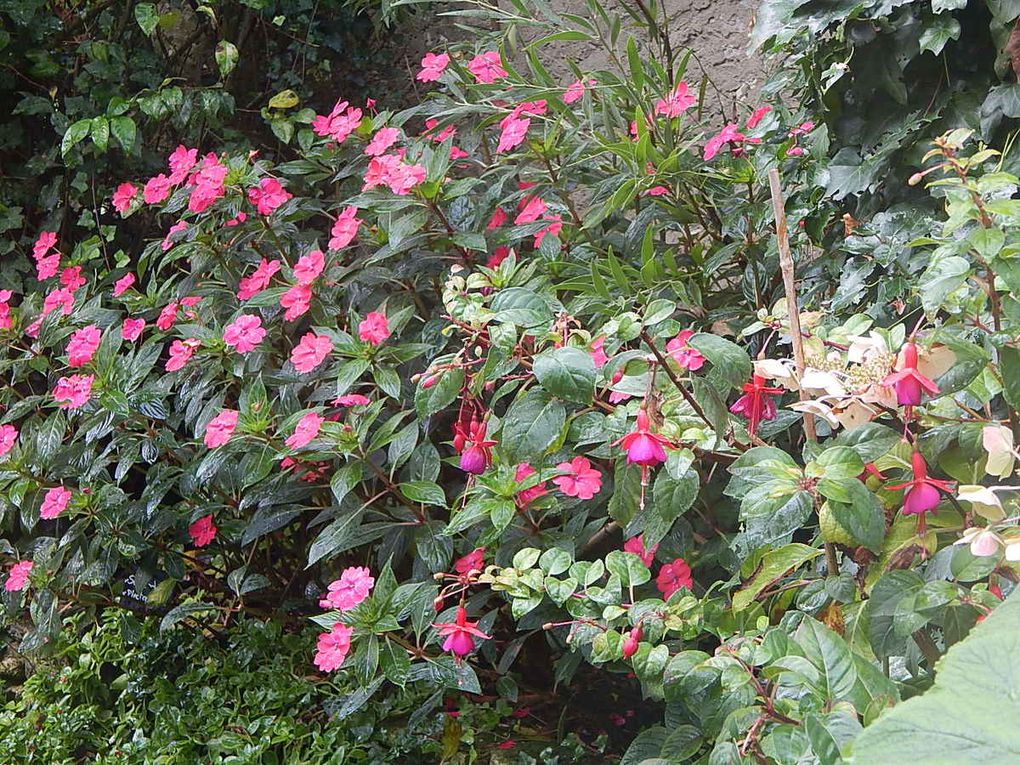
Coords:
532,208
757,116
220,428
258,280
553,229
674,576
47,241
390,170
167,316
333,647
71,278
644,447
598,353
54,502
123,196
579,479
353,586
180,352
487,67
47,267
244,333
575,91
123,284
8,437
383,139
73,392
82,345
297,300
374,328
908,382
132,329
351,399
527,496
432,66
459,634
636,545
922,495
17,577
757,403
339,123
305,431
309,266
677,102
683,354
180,163
157,189
168,240
983,542
310,352
268,196
473,561
203,531
728,134
345,229
513,134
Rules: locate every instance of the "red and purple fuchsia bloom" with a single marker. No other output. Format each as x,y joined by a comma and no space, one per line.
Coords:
923,493
756,404
644,447
908,382
459,634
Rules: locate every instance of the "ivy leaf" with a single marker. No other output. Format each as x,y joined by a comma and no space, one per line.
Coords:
76,133
938,32
147,17
568,373
226,57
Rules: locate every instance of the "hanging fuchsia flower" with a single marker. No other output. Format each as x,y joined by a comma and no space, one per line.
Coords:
353,586
527,496
674,576
244,333
459,634
180,353
258,280
908,382
473,561
374,328
123,284
383,139
677,102
268,195
487,67
305,431
132,329
644,447
8,436
532,208
73,392
17,577
310,352
123,196
475,449
203,531
757,403
220,428
636,545
309,266
432,66
83,345
333,647
922,495
54,502
297,300
683,354
578,478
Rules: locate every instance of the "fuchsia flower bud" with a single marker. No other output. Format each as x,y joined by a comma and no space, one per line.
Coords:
922,495
631,641
477,456
908,382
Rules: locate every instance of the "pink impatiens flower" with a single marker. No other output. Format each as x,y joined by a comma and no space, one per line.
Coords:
73,392
644,447
527,496
351,399
345,228
908,382
180,163
258,280
309,266
473,561
47,267
220,428
728,134
636,545
332,647
171,235
268,195
297,300
390,170
757,116
123,284
432,66
459,634
168,315
203,531
17,578
374,328
156,189
71,278
553,229
180,352
531,210
54,502
487,67
598,353
209,182
339,123
8,435
244,333
123,196
46,242
574,91
353,586
677,102
305,431
579,479
82,345
683,354
514,131
310,352
132,329
382,140
674,576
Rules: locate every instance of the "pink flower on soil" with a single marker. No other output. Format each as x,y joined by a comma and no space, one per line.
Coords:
459,634
203,531
305,431
487,67
123,196
432,66
220,428
244,333
180,352
683,354
310,352
909,383
123,284
82,345
345,229
527,496
333,647
268,195
644,447
383,139
533,208
579,479
674,576
677,102
8,436
258,280
636,545
54,502
157,189
473,561
17,579
923,493
131,329
513,134
309,266
574,91
297,300
73,392
728,134
374,328
353,586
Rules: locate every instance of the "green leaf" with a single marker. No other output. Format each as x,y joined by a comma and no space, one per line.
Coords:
836,463
969,716
671,498
426,492
774,565
938,32
870,440
568,373
125,132
335,538
100,131
1009,366
730,362
285,99
829,654
226,57
882,608
531,426
520,306
147,17
861,516
628,567
944,275
76,133
428,401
